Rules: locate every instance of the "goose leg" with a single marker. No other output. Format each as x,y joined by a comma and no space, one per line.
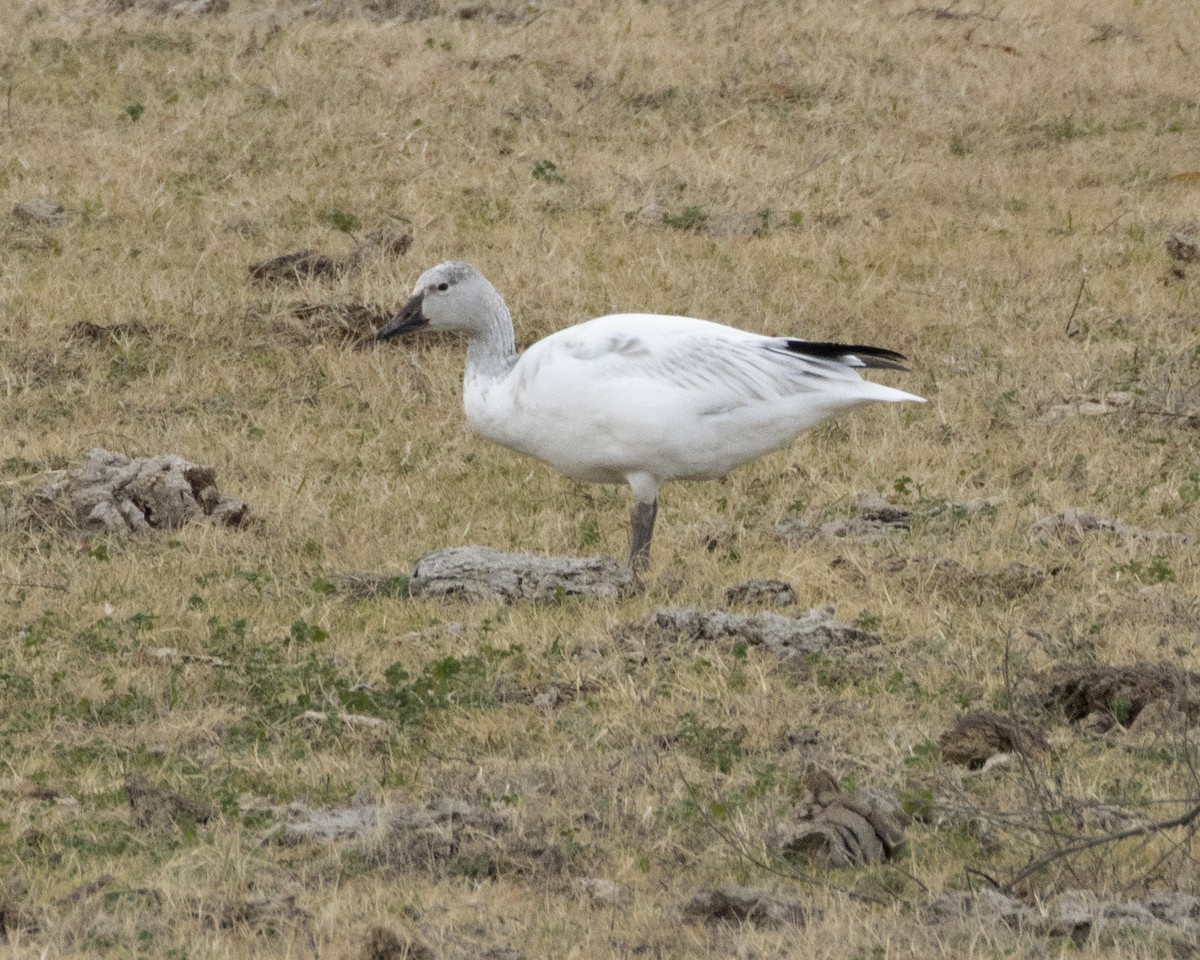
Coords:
642,521
645,509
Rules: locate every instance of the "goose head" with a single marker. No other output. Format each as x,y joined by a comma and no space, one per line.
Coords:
452,296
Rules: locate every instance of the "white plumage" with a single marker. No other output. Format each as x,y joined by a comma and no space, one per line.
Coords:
638,398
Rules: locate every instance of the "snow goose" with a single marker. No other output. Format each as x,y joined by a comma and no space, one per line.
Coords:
638,398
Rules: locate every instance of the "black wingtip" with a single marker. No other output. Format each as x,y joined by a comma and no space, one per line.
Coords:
876,357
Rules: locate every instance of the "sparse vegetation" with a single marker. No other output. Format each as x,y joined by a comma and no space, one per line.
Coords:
991,190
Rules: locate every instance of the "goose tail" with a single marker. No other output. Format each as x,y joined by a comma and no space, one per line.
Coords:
852,355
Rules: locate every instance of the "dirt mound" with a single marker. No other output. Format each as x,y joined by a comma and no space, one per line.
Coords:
43,211
761,593
813,631
1183,242
345,323
835,828
166,8
949,577
116,494
1073,914
1071,525
742,905
450,837
101,333
873,518
1106,696
155,806
314,265
482,573
980,735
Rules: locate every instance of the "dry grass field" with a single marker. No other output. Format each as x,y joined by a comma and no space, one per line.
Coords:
988,188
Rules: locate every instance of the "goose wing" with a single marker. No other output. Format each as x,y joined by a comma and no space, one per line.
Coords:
708,368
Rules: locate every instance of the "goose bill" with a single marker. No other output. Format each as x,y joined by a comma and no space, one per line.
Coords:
408,319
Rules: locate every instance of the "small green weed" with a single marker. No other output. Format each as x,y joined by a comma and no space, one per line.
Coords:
341,219
690,218
716,746
547,172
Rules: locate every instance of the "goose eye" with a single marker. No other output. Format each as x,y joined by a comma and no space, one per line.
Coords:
443,286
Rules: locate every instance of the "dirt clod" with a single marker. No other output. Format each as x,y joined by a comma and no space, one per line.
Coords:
314,265
1071,525
346,323
15,917
383,944
116,494
741,905
602,892
262,912
1111,695
1070,914
294,267
980,904
154,806
368,821
43,210
980,735
452,837
761,593
367,585
837,829
482,573
813,631
1183,243
874,518
951,578
101,333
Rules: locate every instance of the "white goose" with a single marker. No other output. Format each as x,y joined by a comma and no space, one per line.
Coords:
638,398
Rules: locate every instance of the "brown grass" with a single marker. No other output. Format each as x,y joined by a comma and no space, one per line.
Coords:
985,188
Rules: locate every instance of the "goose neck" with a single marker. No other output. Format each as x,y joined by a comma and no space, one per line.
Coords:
491,349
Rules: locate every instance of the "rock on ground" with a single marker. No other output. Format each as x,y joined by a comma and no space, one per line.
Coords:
813,631
116,494
482,573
